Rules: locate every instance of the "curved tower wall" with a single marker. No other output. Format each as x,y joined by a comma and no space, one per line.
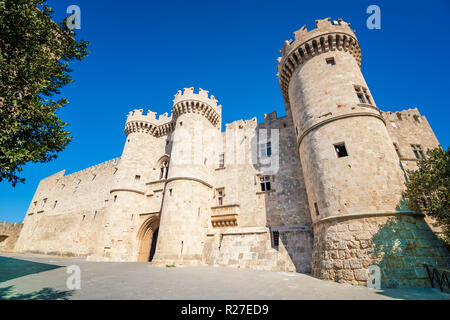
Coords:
189,190
128,189
354,196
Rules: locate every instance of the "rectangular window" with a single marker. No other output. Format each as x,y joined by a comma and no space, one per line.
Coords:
276,238
361,98
341,151
222,160
220,197
266,149
363,94
330,61
265,183
418,152
137,178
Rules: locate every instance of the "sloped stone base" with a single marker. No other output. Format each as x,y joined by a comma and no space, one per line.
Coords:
398,244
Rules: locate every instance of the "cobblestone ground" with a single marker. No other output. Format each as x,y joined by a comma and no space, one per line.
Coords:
44,277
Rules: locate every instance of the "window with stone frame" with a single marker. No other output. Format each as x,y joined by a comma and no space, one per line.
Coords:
163,170
265,183
418,152
363,94
220,195
266,149
330,61
276,239
222,160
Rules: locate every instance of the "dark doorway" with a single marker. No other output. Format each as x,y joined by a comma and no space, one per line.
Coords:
153,247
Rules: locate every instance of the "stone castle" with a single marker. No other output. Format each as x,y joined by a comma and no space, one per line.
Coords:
317,190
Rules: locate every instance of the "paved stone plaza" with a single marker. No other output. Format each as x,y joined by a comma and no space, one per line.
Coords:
44,277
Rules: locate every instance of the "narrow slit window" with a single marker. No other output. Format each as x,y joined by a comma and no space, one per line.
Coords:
276,238
341,151
316,207
222,160
220,197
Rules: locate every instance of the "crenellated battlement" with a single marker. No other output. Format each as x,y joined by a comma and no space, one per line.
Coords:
411,114
148,123
328,36
250,124
323,27
152,117
191,102
5,225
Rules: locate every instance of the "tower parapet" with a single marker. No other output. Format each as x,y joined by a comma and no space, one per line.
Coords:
148,123
190,102
328,36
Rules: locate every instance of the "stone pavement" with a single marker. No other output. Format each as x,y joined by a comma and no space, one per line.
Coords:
35,276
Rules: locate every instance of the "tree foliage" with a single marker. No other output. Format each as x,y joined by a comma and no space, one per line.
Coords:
34,65
428,189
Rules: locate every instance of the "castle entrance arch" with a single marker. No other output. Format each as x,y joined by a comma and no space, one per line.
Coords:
147,237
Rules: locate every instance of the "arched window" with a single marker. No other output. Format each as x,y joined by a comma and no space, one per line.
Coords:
164,169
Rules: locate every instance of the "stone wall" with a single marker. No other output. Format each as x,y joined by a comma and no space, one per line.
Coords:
9,233
399,245
406,128
66,212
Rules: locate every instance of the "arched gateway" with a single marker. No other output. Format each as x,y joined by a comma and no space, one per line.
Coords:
147,236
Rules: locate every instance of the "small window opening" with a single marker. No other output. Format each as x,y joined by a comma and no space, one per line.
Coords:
316,207
220,197
170,192
54,205
341,151
265,183
222,160
276,238
164,169
137,178
115,198
330,61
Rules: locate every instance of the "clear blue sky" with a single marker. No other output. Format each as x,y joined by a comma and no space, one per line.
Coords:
142,52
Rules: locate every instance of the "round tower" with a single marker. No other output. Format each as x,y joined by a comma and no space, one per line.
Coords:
127,194
189,188
351,169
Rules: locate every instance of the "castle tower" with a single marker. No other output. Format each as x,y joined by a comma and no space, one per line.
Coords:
189,190
351,169
128,188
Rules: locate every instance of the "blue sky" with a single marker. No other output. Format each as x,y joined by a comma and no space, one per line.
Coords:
142,52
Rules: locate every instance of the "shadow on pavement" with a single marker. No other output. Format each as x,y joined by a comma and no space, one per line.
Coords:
11,268
7,293
416,294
